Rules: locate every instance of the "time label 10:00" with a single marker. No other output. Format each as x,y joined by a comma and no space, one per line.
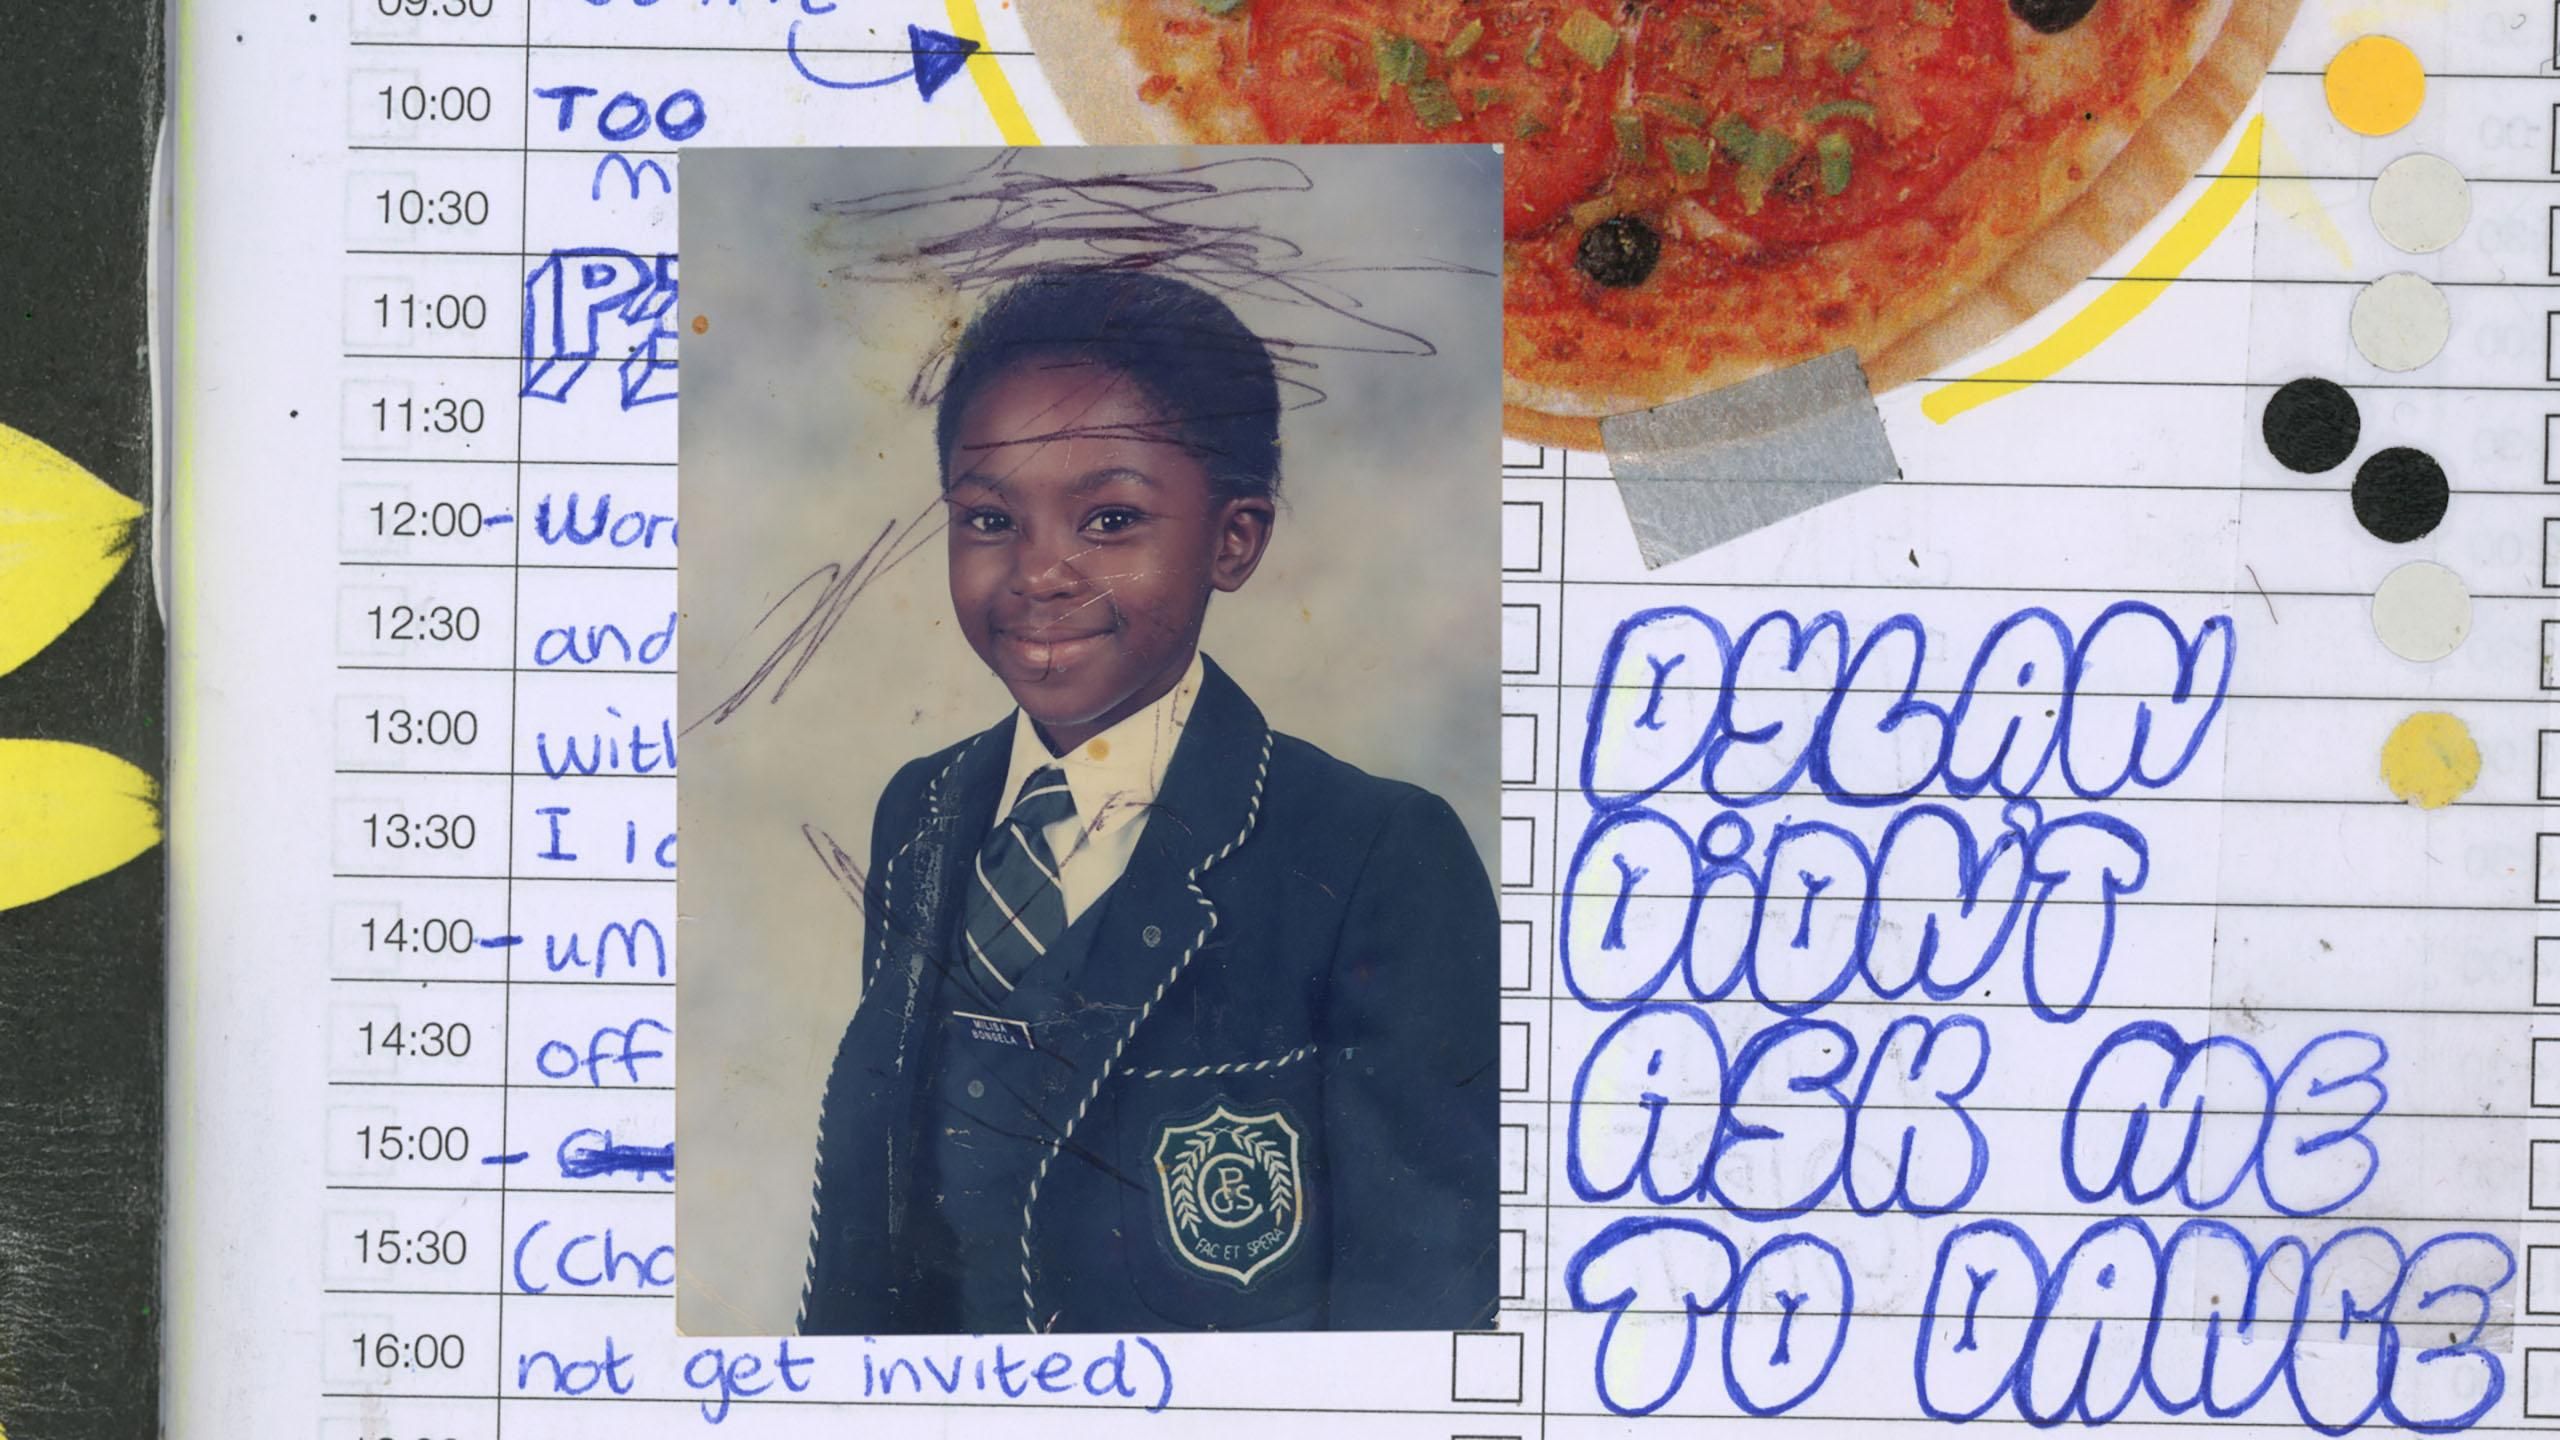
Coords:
421,102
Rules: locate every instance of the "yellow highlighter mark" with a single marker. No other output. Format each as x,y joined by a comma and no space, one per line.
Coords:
2430,760
996,90
2118,304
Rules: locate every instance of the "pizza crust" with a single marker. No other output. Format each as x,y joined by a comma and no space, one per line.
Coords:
1909,296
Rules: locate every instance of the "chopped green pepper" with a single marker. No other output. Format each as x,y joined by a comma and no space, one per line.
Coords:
1766,61
1681,111
1630,128
1830,110
1689,155
1221,7
1761,153
1433,105
1400,61
1847,56
1460,43
1834,152
1590,37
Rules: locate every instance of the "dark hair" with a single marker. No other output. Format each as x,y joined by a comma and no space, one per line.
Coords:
1211,378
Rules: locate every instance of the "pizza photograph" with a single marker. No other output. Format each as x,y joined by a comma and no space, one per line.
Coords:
1697,192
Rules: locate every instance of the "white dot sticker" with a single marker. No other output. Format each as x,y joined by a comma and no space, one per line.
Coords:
2422,611
2400,322
2421,203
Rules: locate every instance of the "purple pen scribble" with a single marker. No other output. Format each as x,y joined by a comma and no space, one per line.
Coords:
1001,222
836,586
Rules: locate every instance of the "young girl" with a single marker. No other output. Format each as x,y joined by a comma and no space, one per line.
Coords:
1169,1021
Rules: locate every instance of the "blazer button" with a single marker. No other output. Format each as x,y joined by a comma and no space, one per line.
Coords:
977,1089
1153,935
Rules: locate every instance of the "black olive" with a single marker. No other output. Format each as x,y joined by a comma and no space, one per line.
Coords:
1618,252
2051,17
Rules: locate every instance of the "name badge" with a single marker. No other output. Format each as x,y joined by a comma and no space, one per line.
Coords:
994,1029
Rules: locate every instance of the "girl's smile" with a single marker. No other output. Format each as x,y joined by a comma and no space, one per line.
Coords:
1085,543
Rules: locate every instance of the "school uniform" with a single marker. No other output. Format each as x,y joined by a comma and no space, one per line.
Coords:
1247,1081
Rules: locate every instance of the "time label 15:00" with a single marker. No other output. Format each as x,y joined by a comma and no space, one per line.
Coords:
422,1142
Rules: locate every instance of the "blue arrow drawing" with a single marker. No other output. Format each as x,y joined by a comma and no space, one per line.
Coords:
934,56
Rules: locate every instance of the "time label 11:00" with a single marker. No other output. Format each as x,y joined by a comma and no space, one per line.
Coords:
430,312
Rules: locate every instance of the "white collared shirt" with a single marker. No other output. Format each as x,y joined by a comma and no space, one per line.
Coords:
1114,777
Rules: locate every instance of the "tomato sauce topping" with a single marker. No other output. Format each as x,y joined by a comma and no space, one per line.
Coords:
1540,77
1798,122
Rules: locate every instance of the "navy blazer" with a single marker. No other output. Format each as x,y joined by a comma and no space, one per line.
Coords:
1284,1114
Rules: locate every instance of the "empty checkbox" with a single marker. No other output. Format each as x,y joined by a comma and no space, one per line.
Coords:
1487,1366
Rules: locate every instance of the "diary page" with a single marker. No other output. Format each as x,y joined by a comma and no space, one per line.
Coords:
2025,875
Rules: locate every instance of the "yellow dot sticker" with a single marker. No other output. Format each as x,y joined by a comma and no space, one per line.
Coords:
2375,85
2430,760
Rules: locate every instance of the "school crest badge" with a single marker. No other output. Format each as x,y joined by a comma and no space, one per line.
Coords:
1231,1188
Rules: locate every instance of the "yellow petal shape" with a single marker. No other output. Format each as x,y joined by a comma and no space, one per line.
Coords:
68,813
64,534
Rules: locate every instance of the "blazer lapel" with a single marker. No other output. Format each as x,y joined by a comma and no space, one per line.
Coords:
1155,924
923,891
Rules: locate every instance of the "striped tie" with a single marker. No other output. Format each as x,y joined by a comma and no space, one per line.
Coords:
1015,911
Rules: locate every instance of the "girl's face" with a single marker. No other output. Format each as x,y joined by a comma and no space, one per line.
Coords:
1084,549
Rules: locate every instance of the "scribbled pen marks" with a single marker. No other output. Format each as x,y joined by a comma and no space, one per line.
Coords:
2312,425
2051,17
1002,221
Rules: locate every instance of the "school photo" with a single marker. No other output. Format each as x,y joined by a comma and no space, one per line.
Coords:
1089,663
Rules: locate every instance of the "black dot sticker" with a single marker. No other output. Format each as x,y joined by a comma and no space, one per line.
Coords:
2311,425
2400,494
